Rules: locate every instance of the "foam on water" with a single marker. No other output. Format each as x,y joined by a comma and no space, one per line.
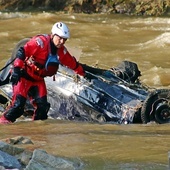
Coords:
156,77
163,40
9,15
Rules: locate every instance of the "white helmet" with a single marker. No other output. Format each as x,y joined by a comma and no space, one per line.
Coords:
60,29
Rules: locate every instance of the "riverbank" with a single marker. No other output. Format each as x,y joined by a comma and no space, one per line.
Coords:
14,156
130,7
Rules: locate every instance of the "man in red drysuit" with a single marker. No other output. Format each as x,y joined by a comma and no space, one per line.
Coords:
38,58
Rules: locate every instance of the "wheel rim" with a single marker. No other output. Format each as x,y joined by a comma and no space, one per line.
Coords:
162,113
156,107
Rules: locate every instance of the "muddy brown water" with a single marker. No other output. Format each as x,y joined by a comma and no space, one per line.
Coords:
105,40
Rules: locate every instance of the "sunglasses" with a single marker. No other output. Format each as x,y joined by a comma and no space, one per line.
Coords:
60,38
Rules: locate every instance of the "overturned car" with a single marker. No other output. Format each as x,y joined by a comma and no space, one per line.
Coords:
108,96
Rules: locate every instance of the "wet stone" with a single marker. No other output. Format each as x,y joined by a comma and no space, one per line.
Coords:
9,161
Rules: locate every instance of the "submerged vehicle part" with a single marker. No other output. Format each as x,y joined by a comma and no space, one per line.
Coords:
156,107
113,102
114,95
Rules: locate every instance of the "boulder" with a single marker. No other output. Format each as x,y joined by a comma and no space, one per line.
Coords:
42,160
8,161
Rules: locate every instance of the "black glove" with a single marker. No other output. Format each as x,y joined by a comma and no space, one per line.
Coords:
16,75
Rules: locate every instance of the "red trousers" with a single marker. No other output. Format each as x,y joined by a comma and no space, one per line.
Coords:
34,90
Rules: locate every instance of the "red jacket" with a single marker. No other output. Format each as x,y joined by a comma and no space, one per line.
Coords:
37,51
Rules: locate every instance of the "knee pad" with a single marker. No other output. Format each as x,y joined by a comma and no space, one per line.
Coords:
17,109
41,111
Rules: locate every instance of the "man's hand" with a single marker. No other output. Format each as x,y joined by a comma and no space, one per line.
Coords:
16,76
76,78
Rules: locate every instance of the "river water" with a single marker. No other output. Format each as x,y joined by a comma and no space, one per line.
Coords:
105,40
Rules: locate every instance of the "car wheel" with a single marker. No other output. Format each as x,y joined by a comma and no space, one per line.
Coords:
156,107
